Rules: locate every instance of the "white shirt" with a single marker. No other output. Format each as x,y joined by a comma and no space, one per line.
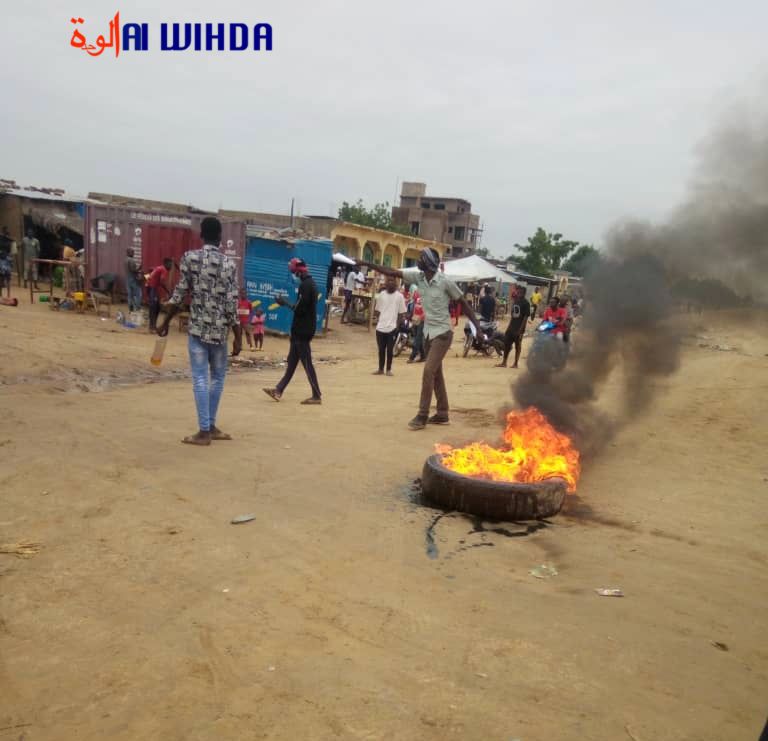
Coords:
353,279
389,306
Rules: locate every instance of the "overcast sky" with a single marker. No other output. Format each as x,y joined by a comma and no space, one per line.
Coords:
566,115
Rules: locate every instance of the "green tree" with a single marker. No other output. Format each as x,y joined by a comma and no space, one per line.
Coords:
583,260
482,252
379,217
543,254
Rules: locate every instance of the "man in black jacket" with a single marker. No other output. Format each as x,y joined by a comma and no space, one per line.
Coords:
302,332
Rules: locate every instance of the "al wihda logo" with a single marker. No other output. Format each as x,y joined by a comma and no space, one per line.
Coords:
175,37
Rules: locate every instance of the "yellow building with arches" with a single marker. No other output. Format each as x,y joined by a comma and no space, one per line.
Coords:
380,246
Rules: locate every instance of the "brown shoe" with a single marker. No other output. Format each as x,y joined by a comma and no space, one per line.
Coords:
273,394
200,438
419,422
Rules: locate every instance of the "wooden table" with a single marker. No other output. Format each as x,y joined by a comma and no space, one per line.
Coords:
361,309
66,264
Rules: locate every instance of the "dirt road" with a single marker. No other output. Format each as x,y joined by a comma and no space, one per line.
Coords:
147,615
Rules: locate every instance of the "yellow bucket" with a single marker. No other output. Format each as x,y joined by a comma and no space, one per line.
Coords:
79,296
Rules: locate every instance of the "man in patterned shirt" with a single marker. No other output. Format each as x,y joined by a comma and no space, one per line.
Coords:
210,279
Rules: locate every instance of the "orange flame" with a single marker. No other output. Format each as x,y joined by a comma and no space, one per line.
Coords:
533,450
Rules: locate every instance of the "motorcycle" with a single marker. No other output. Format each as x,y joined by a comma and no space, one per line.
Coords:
489,341
404,337
549,353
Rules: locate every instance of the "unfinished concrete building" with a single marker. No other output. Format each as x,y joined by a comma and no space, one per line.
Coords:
448,220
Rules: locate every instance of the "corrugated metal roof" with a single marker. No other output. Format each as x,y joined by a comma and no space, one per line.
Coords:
40,196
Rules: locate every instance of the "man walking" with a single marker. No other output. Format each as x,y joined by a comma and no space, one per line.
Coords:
520,311
30,250
133,280
436,293
390,306
302,331
210,278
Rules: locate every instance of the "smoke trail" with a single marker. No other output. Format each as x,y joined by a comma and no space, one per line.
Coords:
720,231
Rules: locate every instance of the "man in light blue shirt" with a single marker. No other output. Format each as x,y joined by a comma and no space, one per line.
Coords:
436,292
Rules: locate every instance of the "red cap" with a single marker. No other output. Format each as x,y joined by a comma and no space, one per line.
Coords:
297,265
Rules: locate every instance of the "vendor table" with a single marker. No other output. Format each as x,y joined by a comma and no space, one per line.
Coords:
361,309
67,265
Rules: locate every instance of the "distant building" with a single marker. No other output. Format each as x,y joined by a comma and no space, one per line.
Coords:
448,220
315,226
51,213
380,246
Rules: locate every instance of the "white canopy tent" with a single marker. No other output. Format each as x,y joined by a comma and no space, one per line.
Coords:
338,257
474,268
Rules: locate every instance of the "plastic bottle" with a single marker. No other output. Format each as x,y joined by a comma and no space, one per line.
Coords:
157,354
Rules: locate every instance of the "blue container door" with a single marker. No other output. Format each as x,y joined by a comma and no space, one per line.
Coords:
266,275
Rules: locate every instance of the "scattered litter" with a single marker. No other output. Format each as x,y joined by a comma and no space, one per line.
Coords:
720,646
225,590
287,447
45,493
22,550
609,592
543,571
482,675
242,518
630,734
173,530
721,348
270,668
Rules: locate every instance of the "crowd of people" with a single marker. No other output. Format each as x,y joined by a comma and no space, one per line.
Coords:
25,258
426,302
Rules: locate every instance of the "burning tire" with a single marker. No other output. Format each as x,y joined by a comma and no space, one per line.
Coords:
499,500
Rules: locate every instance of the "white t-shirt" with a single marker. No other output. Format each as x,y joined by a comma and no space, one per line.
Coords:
389,306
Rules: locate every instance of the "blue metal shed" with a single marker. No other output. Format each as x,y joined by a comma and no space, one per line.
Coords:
266,275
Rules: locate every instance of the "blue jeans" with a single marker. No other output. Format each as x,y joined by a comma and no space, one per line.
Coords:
134,295
205,356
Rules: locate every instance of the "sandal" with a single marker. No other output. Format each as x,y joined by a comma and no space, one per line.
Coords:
197,439
312,400
217,434
273,393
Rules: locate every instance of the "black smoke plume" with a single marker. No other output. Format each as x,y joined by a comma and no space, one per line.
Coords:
628,332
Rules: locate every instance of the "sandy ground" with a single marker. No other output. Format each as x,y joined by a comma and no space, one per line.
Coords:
147,615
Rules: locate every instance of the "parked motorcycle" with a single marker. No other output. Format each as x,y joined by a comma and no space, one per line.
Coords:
404,337
549,353
490,340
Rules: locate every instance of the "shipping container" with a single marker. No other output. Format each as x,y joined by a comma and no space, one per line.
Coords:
267,275
154,234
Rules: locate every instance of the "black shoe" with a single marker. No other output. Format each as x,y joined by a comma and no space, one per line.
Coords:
419,422
439,419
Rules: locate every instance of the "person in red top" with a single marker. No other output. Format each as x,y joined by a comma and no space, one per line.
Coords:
417,322
157,286
257,324
557,315
243,316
